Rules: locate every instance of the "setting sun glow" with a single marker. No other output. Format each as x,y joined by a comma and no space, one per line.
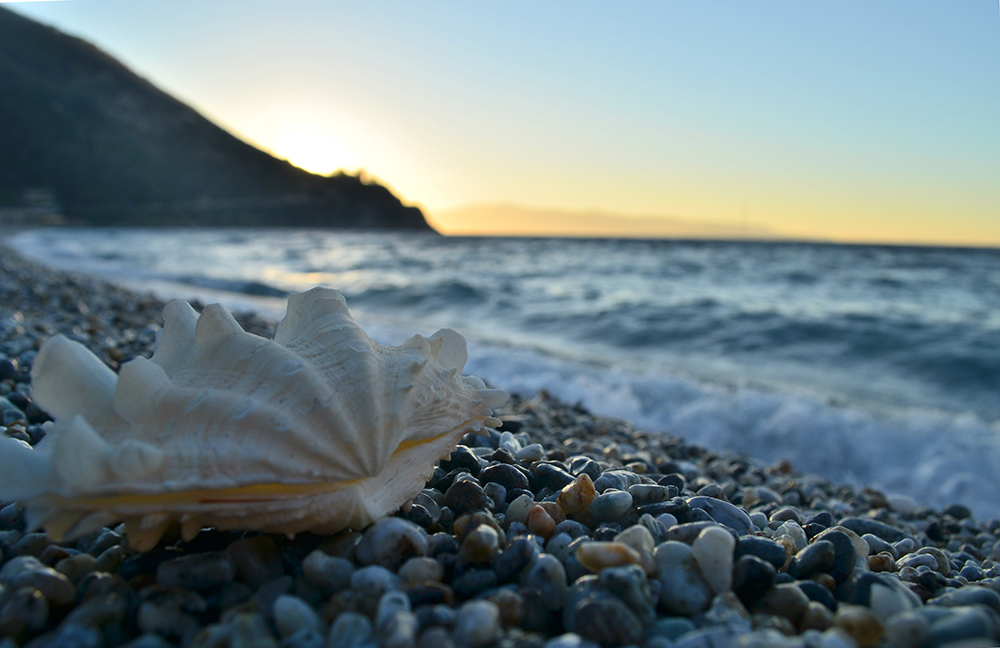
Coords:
309,149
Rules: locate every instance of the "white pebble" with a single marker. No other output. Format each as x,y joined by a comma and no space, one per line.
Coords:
713,551
478,624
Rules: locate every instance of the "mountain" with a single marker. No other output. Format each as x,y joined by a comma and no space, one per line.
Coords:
115,150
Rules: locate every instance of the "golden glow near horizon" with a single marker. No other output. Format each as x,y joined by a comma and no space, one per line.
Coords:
851,121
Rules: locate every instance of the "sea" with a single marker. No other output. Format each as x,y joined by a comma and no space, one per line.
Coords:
869,365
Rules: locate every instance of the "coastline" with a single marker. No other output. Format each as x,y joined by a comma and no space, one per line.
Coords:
897,567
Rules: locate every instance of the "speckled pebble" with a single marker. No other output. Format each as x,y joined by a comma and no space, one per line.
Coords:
390,542
713,551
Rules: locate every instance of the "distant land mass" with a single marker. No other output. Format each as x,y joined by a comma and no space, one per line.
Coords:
112,149
510,219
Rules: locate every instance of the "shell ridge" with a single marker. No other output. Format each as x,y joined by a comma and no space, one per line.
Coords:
320,429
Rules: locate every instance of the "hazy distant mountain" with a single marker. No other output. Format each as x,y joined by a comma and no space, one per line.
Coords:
519,220
115,150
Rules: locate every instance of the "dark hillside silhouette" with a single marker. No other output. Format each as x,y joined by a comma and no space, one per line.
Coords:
115,150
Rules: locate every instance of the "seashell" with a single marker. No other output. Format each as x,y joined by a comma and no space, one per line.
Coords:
319,430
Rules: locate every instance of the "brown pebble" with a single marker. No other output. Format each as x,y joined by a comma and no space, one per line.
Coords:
817,617
577,496
480,545
540,522
860,624
554,511
882,562
596,556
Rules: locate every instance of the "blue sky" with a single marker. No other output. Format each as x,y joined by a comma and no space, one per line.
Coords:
845,121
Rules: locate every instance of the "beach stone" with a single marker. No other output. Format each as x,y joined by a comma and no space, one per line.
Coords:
462,458
551,476
481,545
249,630
99,610
688,531
518,509
578,495
786,600
392,541
76,567
504,474
917,560
610,505
791,529
763,548
515,558
943,564
713,552
540,522
547,575
293,615
72,635
877,545
28,571
257,560
861,526
419,570
149,640
907,630
640,538
530,453
570,640
465,496
818,593
373,581
607,621
197,571
597,556
818,557
682,589
24,610
643,494
969,596
630,584
963,623
329,573
845,555
350,630
752,578
860,624
477,624
816,617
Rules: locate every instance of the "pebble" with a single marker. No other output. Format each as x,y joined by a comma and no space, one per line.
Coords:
548,576
329,573
682,589
724,513
293,615
561,517
392,541
27,571
477,624
597,556
713,552
610,505
350,630
578,495
197,571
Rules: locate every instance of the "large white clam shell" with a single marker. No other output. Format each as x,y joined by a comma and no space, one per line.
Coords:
319,430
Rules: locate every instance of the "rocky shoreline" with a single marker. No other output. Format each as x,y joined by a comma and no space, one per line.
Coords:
561,529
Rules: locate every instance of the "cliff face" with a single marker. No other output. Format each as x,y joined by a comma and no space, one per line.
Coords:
115,150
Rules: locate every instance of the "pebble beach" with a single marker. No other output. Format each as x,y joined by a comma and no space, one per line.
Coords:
561,529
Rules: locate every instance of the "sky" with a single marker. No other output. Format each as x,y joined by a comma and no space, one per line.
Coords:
852,121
